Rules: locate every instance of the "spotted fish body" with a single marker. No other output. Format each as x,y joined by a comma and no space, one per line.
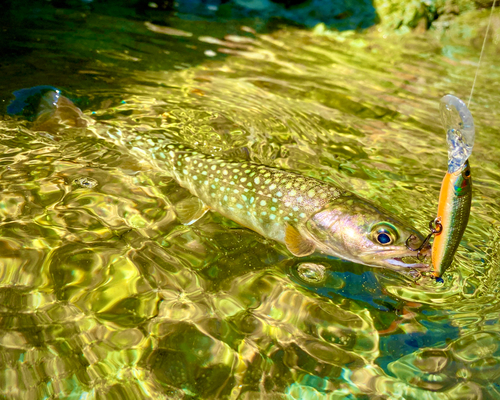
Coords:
261,198
304,213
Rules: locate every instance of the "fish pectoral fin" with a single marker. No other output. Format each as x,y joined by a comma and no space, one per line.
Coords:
190,210
296,244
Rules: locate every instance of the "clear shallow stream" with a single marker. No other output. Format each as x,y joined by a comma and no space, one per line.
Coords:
106,295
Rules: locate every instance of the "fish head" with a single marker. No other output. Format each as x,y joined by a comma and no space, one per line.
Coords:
355,229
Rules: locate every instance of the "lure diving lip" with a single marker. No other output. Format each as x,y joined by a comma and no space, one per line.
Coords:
456,190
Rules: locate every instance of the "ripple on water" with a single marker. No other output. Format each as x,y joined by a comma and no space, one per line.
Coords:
104,294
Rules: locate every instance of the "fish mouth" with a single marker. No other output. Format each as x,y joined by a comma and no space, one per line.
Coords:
407,259
408,262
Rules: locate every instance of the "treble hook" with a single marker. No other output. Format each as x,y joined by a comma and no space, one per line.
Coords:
434,231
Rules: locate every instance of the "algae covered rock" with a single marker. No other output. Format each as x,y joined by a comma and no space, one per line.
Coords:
396,14
422,14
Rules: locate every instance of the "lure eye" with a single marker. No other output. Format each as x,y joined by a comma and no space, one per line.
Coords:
384,234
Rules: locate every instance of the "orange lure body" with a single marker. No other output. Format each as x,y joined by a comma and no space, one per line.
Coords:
453,214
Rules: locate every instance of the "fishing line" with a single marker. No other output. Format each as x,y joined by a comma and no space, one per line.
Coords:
482,50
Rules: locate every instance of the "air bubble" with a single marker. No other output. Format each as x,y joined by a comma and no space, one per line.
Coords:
312,273
87,183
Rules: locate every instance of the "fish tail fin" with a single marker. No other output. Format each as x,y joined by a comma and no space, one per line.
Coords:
48,109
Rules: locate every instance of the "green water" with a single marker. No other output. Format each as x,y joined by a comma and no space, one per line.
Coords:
106,295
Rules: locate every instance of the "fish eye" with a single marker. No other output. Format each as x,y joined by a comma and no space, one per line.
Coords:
466,173
384,238
384,234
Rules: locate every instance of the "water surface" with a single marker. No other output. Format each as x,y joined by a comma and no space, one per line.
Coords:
105,294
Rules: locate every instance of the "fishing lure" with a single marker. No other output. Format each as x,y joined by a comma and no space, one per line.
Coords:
456,190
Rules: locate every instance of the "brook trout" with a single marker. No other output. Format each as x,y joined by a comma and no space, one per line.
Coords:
305,214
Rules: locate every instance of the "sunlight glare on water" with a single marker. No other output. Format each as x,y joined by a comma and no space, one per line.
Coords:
105,294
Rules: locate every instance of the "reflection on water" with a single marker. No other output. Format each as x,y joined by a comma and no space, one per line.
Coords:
105,294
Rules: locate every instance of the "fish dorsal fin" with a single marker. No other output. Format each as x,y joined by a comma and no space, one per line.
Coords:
190,210
296,244
242,153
